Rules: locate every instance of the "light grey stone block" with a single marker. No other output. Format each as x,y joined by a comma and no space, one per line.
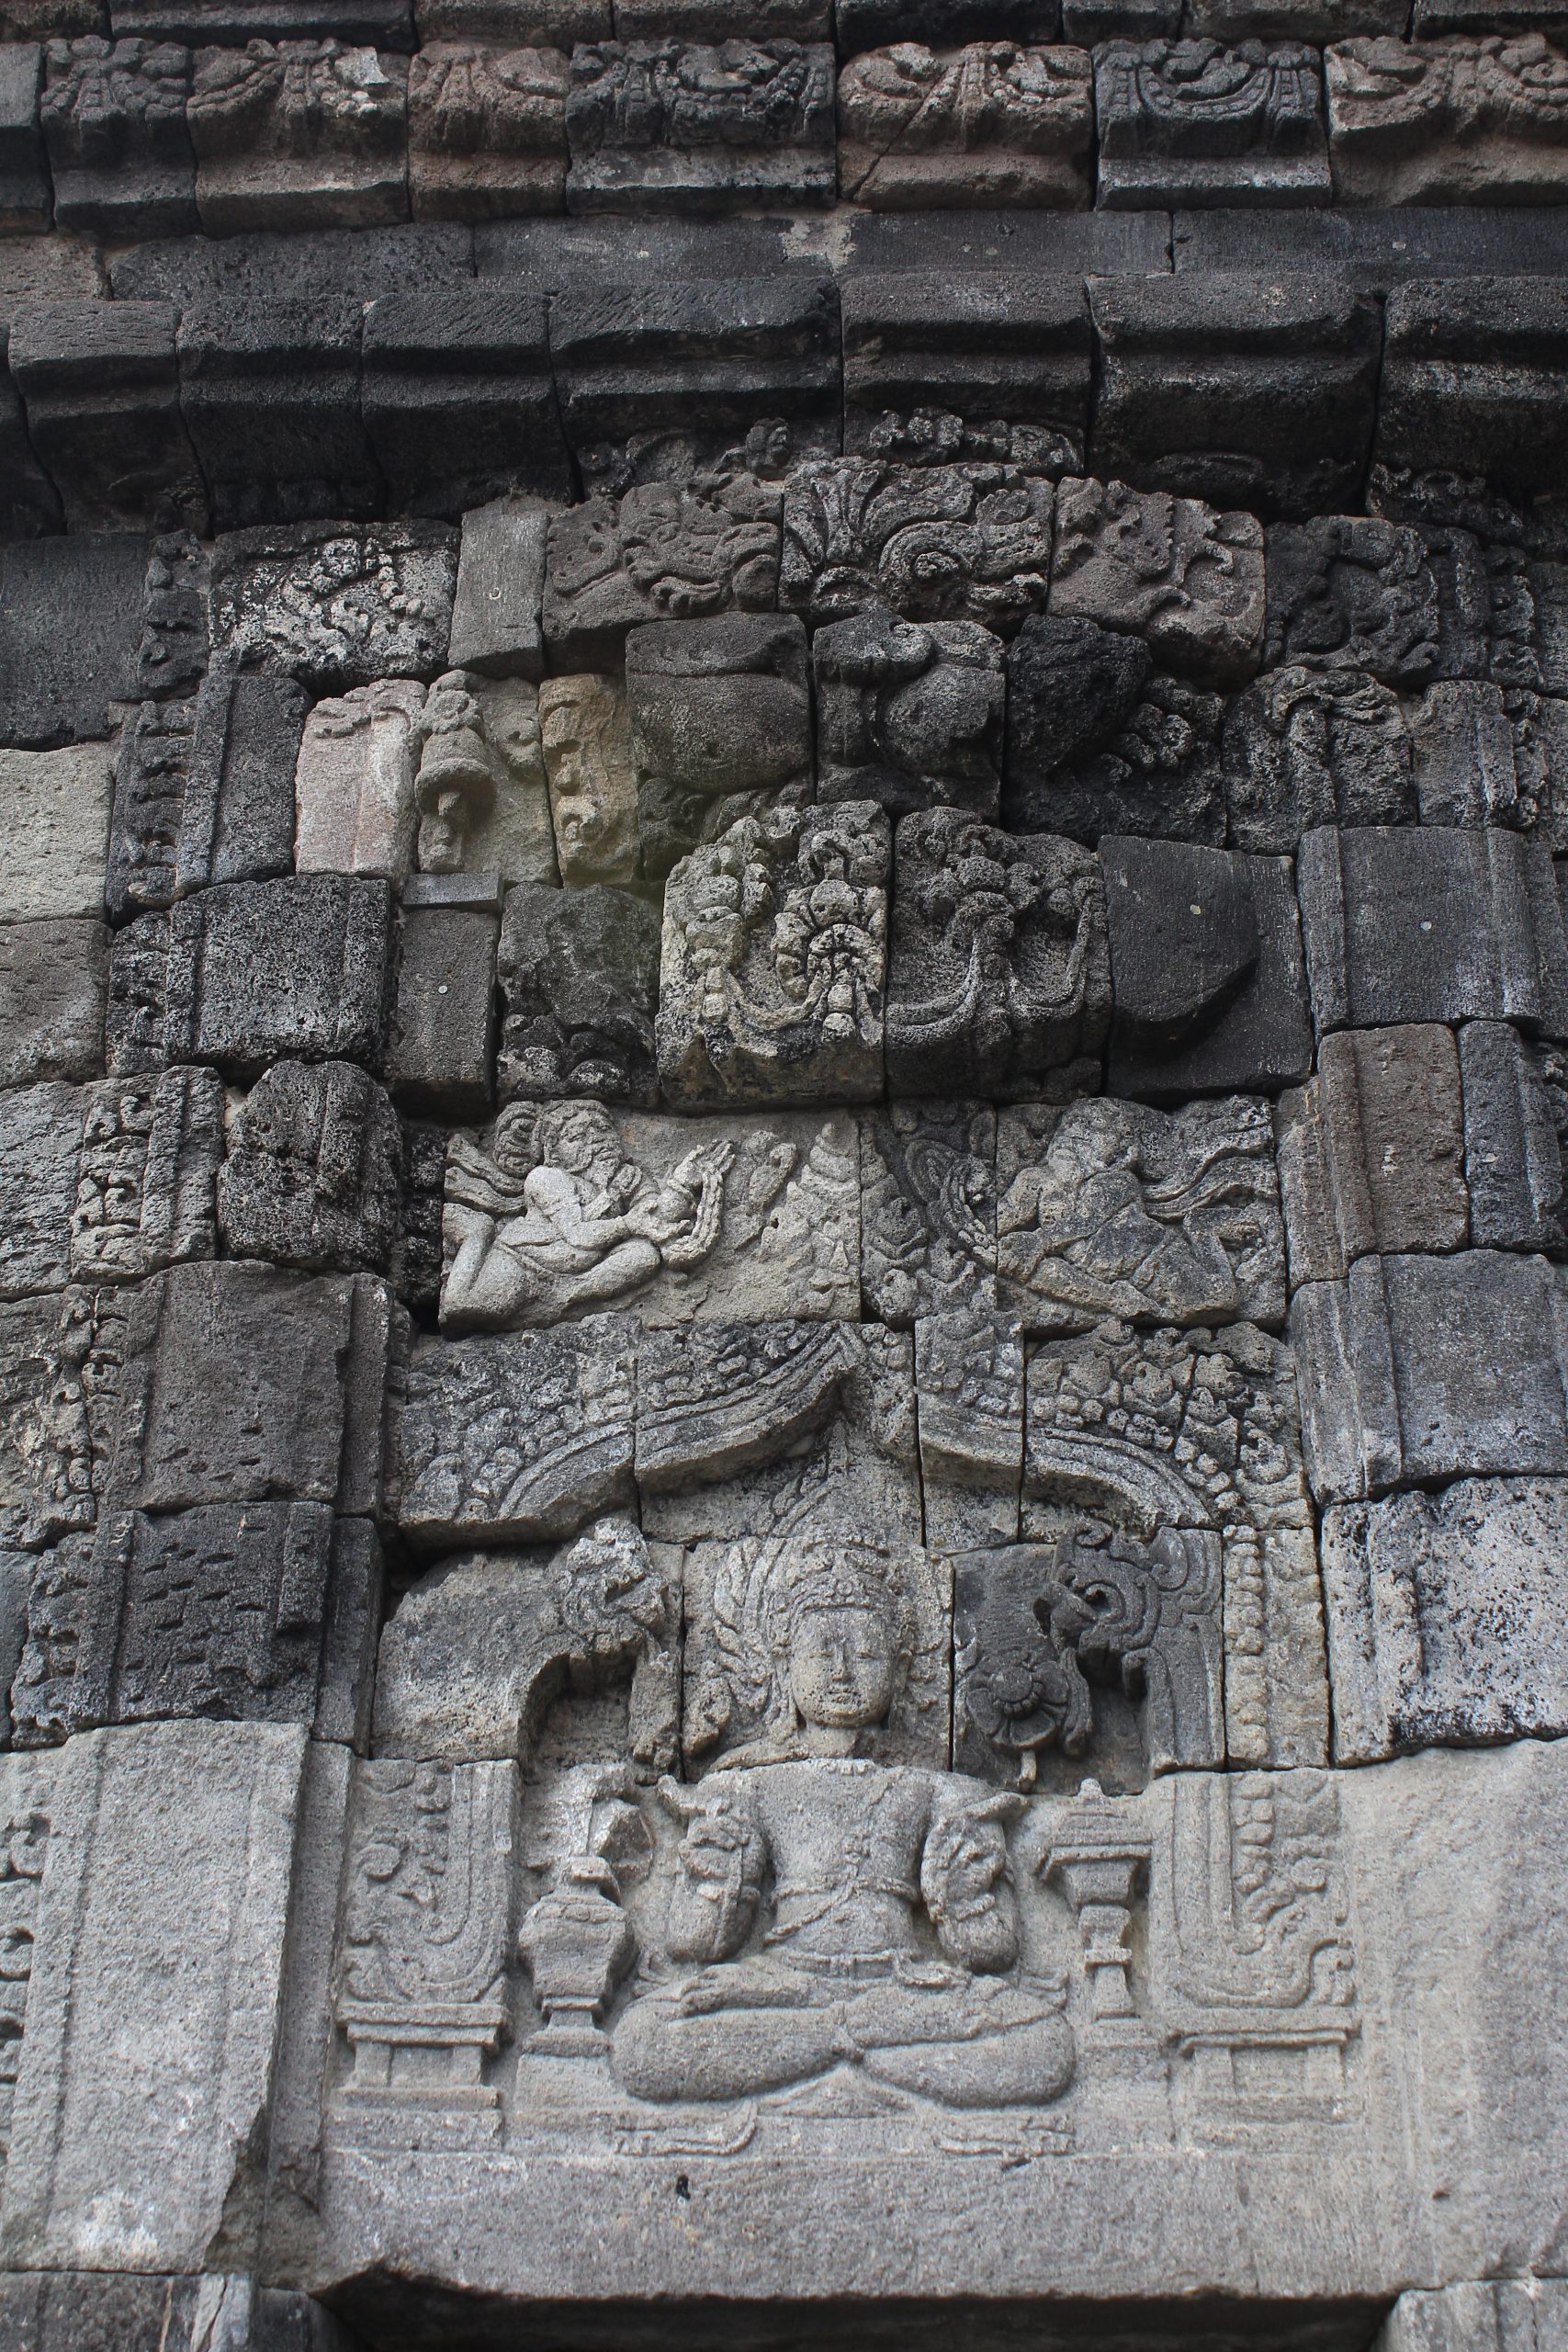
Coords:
1448,1616
143,2150
1200,605
54,825
928,1209
1513,1144
1418,1368
969,1419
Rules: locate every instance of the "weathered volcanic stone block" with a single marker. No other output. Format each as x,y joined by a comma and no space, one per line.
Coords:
332,606
1243,391
29,503
928,1210
998,975
1421,1369
1485,2315
87,2311
1207,981
70,623
1513,1138
260,1612
535,24
872,24
270,390
1097,742
245,1384
720,714
1306,747
312,1175
1461,120
1448,1616
707,371
653,554
173,655
101,387
460,405
987,363
54,987
500,585
1489,754
354,781
1372,1151
934,543
487,130
113,118
517,1437
1187,580
307,135
254,972
1472,364
54,812
1431,923
577,972
109,1182
989,124
1352,593
103,2167
677,126
441,1049
774,962
204,791
24,174
908,714
1197,124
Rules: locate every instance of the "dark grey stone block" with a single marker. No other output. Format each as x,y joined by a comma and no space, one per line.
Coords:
246,1613
678,126
243,1385
172,656
268,265
335,606
53,986
204,791
377,24
71,619
1514,1112
458,399
1352,592
29,503
251,973
270,393
496,626
1472,381
1374,247
1207,982
1245,390
1431,923
578,978
941,24
719,713
1306,747
441,1052
312,1174
909,715
25,194
100,384
1098,741
971,363
114,125
106,2310
699,368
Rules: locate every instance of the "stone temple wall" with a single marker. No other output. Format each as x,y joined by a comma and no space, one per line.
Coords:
783,1176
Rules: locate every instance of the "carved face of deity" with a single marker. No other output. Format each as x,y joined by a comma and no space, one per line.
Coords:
583,1141
842,1665
591,791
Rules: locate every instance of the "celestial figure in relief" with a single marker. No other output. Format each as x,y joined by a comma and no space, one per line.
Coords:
557,1218
890,1934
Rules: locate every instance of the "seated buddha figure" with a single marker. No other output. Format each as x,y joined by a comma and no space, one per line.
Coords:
831,1910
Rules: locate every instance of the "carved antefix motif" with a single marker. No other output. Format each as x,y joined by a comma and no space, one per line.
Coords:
1187,580
1448,121
994,123
1000,973
1047,1639
299,134
427,1936
569,1211
487,130
959,542
774,961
